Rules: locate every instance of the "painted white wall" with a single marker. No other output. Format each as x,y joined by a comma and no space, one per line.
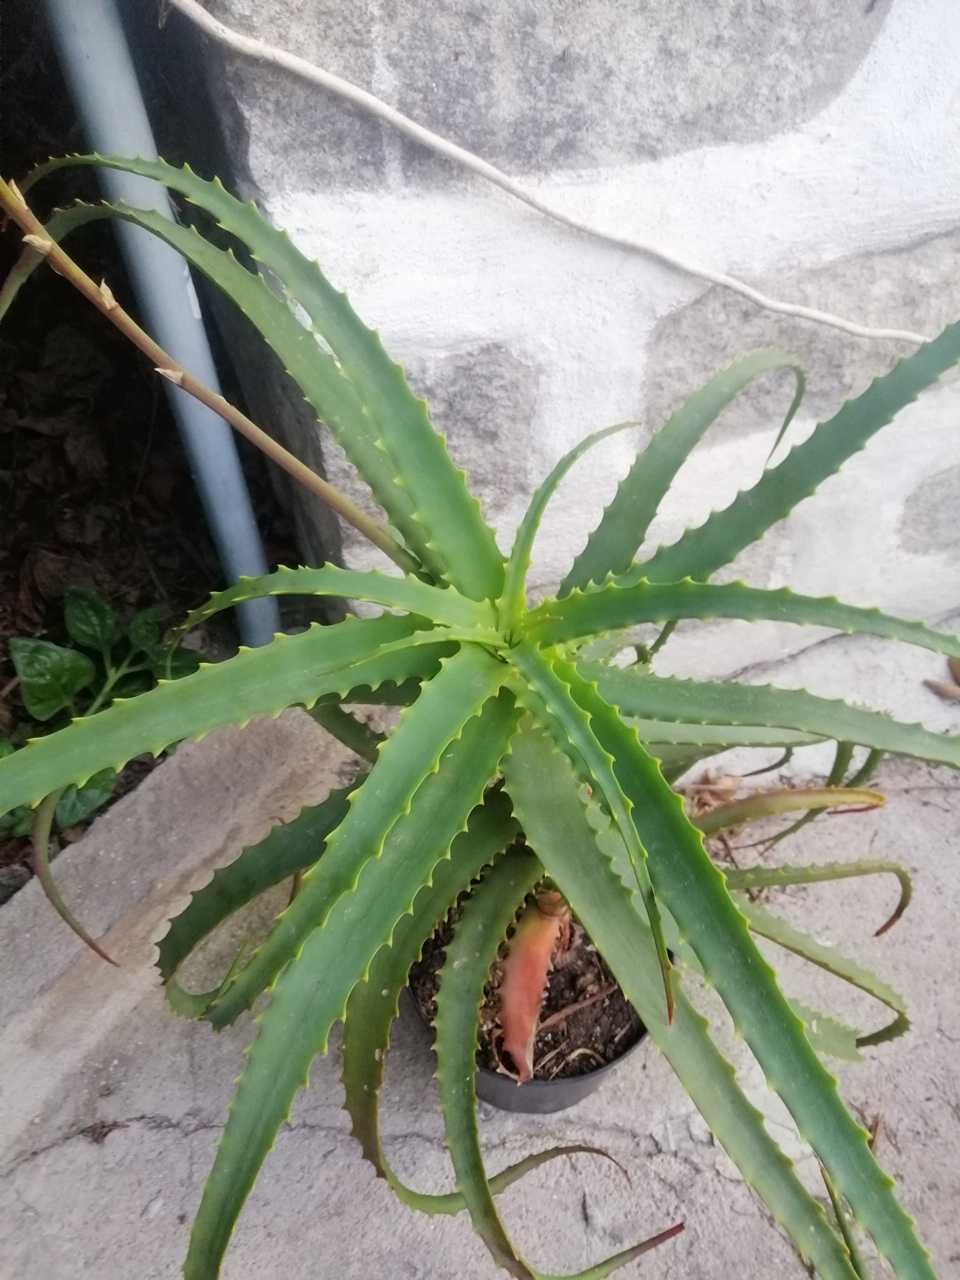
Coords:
854,209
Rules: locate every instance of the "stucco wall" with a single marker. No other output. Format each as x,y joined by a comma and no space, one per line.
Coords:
809,148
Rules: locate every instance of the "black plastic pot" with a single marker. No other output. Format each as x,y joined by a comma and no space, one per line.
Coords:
540,1097
537,1097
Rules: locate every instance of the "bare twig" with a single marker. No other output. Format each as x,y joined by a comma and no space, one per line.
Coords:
15,207
562,1014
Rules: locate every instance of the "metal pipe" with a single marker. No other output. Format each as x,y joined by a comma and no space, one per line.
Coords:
93,52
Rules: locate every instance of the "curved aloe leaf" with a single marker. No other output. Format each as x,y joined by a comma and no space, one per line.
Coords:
377,886
769,877
452,535
348,730
289,848
513,600
693,891
623,527
828,1034
842,755
715,702
440,604
767,925
374,1004
257,682
40,840
563,704
702,551
447,711
625,602
841,1213
487,914
767,804
477,937
544,791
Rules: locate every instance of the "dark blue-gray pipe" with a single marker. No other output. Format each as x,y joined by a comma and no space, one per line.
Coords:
92,49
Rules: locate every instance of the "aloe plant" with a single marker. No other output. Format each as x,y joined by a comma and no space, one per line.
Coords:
509,729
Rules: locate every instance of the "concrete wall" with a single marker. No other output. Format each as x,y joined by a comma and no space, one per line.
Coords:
809,148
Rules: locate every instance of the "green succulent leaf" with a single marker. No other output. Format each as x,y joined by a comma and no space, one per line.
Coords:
290,847
620,533
359,891
293,669
446,711
767,804
441,605
346,728
828,1034
818,873
625,602
374,1002
767,925
545,796
90,620
486,915
513,600
569,709
702,551
50,678
727,702
413,478
694,893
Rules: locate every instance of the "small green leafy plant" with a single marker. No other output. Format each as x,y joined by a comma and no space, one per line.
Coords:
105,659
518,758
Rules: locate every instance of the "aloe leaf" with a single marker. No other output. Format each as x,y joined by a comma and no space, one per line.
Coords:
679,746
513,600
290,847
767,804
63,222
767,925
727,702
348,730
624,525
624,602
374,1005
487,913
828,1034
693,890
292,669
769,877
40,840
448,707
567,708
441,605
477,936
702,551
544,792
846,1228
376,886
417,483
374,1002
718,737
843,754
330,394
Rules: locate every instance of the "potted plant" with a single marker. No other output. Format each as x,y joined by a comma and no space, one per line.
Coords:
521,763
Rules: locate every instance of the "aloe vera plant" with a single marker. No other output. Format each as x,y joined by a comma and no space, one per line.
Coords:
517,759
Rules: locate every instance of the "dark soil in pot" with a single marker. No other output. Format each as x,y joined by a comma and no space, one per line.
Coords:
587,1026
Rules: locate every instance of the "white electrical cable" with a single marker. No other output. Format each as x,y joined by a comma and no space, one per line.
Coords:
253,48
